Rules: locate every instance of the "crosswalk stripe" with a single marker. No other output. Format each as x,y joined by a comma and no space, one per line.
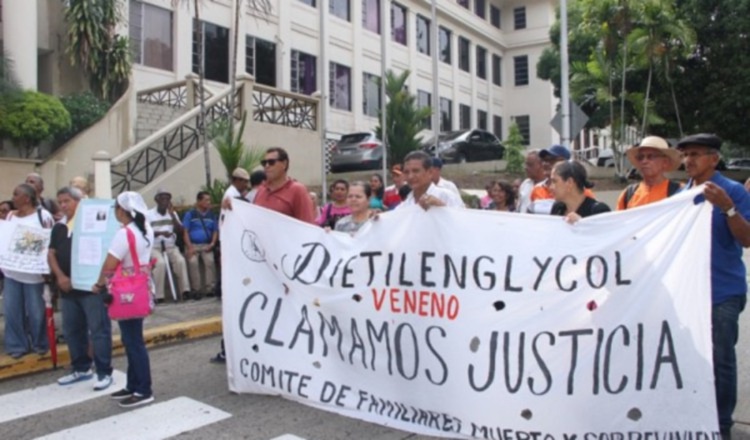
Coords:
154,422
53,396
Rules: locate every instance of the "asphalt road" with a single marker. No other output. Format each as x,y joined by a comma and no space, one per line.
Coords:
184,371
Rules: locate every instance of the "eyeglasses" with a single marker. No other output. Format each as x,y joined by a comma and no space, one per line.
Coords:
647,156
269,162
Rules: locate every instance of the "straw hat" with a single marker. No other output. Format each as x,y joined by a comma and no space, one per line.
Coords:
656,143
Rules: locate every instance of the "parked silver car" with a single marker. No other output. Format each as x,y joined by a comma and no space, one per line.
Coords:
357,151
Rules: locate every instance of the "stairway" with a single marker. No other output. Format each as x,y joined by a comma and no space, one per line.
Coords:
152,117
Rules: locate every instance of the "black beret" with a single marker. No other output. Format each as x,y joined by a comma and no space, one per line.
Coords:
705,139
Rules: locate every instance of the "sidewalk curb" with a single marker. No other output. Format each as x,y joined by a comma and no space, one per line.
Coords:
154,337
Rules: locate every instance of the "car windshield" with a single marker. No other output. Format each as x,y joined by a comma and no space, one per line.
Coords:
353,138
447,136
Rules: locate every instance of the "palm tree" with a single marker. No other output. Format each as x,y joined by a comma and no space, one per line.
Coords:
658,36
403,117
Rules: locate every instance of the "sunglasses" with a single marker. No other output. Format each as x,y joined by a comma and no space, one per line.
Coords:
269,162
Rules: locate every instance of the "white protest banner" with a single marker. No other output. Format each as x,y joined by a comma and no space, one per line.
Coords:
475,324
23,248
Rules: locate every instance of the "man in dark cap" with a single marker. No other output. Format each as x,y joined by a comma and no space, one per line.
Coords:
730,232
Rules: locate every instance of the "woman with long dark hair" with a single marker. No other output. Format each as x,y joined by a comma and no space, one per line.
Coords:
569,181
378,191
130,210
502,196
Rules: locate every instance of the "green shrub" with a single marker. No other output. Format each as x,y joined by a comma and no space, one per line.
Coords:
514,150
85,109
32,118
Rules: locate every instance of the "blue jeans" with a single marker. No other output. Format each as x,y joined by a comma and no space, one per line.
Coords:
23,305
139,368
724,333
85,316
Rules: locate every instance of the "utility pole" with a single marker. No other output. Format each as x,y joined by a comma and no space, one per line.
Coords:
564,91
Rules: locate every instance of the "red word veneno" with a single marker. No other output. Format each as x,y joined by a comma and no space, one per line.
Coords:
417,302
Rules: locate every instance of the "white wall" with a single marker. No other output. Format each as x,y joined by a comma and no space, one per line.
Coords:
295,26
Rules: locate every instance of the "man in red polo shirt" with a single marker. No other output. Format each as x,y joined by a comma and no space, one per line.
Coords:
280,192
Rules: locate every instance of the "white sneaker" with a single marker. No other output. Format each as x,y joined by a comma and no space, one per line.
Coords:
103,383
76,376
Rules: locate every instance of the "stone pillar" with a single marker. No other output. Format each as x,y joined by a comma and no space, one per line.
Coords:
102,175
20,39
192,87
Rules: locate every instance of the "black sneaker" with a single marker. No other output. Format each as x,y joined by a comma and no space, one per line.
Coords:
219,359
136,400
122,394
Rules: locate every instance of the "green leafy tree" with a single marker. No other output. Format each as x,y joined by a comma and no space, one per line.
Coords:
32,118
514,150
94,44
713,84
404,118
85,109
9,86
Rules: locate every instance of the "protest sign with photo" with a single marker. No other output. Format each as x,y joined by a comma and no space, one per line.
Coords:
477,324
23,248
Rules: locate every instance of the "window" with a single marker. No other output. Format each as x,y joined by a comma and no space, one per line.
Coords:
151,35
464,3
371,15
481,62
423,35
398,23
464,117
463,54
370,94
497,66
519,17
445,45
309,2
340,8
521,70
215,52
340,87
304,78
524,126
497,126
260,60
495,16
480,8
446,115
482,119
424,99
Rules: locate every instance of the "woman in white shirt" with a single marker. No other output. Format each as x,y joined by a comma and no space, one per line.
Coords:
23,291
131,210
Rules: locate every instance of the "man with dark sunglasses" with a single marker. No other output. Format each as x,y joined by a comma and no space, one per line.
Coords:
653,159
280,192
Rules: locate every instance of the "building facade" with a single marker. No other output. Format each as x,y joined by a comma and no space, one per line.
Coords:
487,51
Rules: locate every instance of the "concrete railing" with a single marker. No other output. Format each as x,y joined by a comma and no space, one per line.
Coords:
112,134
162,155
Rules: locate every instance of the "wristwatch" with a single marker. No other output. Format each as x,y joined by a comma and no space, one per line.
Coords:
731,212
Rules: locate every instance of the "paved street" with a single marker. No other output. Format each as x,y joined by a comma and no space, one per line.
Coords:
180,372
